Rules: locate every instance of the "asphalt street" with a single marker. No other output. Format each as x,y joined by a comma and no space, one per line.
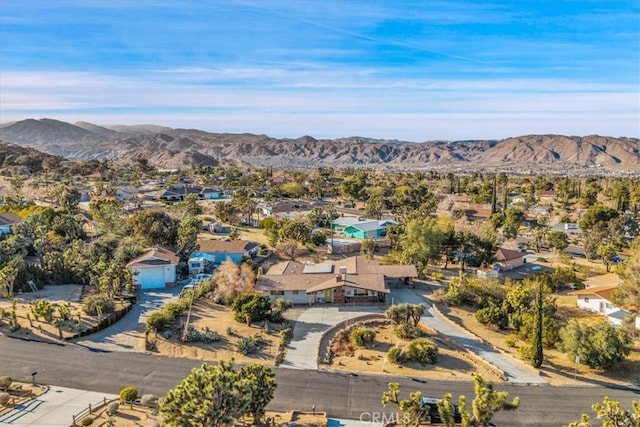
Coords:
341,395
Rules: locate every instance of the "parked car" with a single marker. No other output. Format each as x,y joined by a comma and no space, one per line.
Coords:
434,416
185,288
199,278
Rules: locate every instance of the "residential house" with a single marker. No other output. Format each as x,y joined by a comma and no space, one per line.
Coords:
509,259
177,194
7,221
541,210
126,192
154,269
597,298
572,229
368,229
354,279
284,209
211,193
214,252
477,212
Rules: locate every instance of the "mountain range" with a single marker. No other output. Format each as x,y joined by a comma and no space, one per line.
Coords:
175,148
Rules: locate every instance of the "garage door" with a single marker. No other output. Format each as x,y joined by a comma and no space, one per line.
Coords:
151,278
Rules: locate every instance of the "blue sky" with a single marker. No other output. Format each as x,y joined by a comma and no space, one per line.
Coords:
410,70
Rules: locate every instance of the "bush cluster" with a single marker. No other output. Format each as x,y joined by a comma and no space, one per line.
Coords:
421,350
207,336
128,394
98,303
362,336
492,316
160,319
251,306
408,331
41,308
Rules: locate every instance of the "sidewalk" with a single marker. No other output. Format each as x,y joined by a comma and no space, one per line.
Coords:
55,408
309,327
515,371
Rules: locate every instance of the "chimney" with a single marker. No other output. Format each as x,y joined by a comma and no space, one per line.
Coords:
343,273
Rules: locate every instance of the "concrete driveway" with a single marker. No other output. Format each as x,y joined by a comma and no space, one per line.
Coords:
515,370
308,330
128,333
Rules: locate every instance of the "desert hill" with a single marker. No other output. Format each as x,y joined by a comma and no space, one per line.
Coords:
167,147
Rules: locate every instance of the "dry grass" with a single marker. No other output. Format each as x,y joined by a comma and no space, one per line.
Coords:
452,363
127,416
218,318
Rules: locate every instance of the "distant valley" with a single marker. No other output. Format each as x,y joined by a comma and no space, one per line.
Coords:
173,148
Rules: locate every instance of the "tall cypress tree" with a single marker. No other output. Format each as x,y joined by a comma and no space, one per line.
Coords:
494,208
536,345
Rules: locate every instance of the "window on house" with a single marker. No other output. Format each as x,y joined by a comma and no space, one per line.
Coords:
608,305
360,292
295,292
586,299
276,292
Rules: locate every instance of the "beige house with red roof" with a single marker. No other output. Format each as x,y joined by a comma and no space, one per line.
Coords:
509,259
597,298
154,269
354,279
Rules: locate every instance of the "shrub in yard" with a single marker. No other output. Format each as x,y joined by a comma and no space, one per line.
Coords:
4,398
41,308
246,346
5,383
395,356
98,302
175,308
362,336
128,394
252,306
112,407
492,316
86,421
421,350
408,331
157,321
511,340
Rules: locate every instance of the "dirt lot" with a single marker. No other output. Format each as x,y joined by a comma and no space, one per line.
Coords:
20,394
206,314
452,364
40,328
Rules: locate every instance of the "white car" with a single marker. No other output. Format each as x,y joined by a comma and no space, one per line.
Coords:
200,278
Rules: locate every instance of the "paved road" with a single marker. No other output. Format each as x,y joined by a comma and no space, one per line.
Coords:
516,371
309,327
341,395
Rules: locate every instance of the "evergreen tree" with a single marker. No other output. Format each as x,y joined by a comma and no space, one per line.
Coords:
536,347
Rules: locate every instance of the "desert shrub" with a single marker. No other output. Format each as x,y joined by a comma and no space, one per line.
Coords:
492,316
173,309
41,308
251,305
246,346
278,308
437,275
362,336
5,383
525,352
511,340
158,320
149,400
286,333
112,407
421,350
86,421
128,394
408,331
65,311
395,355
98,303
279,359
598,346
4,398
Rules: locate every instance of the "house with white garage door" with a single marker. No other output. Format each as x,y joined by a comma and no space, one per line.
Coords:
154,269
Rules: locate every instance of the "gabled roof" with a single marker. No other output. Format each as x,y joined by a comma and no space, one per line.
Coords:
602,280
226,246
369,282
603,292
9,219
366,225
504,254
157,255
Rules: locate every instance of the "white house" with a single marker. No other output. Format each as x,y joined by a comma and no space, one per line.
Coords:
597,299
154,269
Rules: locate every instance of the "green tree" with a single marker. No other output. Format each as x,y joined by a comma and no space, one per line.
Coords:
411,408
352,186
154,227
608,253
597,217
109,215
188,207
212,395
262,385
558,240
254,307
627,294
513,218
487,402
9,273
422,242
598,346
188,231
374,206
536,346
612,415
